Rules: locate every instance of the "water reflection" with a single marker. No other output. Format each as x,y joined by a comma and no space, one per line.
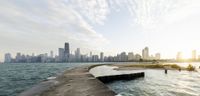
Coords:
156,83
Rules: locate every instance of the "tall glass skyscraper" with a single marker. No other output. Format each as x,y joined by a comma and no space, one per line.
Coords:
61,54
66,51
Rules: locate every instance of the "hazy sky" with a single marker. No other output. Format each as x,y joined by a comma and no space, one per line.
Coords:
112,26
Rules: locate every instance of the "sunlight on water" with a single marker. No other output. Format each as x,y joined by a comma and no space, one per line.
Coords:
157,83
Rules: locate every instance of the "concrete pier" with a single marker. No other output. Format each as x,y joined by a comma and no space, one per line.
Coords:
77,82
74,82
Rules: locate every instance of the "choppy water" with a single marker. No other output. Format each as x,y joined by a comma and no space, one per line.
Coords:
15,78
157,83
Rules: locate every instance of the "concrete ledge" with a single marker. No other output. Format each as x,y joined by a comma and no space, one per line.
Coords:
107,79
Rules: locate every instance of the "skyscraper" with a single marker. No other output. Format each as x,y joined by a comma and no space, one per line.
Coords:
18,57
51,54
66,52
8,58
78,54
61,55
130,56
95,58
90,58
101,57
145,53
123,56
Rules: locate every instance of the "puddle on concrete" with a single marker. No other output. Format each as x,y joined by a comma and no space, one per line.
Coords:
106,70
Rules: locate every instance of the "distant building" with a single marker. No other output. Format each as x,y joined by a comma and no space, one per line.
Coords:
72,58
110,59
95,58
57,58
179,56
66,52
51,54
78,55
138,57
157,56
43,58
23,59
130,56
101,57
61,55
145,53
18,58
7,58
83,58
118,57
123,56
194,55
90,57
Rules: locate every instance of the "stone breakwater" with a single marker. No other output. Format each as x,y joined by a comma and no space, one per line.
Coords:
77,82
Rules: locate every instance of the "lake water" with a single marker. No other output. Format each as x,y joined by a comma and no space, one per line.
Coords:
15,78
157,83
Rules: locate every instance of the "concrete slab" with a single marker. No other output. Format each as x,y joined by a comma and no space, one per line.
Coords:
74,82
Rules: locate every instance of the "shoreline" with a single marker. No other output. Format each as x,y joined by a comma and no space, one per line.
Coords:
79,81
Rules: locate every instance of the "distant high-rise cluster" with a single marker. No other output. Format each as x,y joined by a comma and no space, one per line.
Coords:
146,56
194,57
64,55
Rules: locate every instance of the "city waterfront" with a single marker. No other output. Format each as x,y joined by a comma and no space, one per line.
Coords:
16,78
99,48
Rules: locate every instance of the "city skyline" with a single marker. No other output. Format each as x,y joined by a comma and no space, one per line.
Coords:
64,55
109,26
144,54
99,47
